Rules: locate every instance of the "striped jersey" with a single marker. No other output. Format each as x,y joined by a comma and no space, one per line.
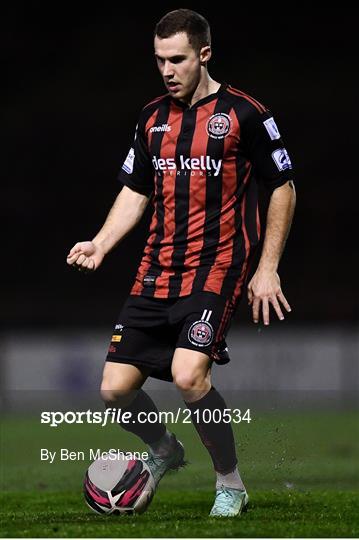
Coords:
200,166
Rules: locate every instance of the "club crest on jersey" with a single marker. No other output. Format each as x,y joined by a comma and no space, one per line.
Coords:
200,333
219,125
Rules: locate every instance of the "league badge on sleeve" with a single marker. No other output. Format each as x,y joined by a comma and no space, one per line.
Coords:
128,164
271,128
282,159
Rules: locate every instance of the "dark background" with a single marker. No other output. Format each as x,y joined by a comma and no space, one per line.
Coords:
77,81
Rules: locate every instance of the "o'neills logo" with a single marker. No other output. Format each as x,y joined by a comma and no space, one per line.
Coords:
202,163
164,127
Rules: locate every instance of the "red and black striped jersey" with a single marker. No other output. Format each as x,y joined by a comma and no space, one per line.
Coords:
200,165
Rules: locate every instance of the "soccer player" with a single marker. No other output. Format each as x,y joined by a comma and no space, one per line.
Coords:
198,153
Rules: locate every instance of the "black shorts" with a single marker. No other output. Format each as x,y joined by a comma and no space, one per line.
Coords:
150,329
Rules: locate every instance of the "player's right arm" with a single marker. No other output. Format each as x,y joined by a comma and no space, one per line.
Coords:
124,215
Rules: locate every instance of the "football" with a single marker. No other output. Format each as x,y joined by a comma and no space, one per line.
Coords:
118,486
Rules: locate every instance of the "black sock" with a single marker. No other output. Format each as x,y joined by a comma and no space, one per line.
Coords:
217,437
148,432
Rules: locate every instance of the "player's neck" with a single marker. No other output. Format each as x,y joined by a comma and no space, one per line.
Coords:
206,87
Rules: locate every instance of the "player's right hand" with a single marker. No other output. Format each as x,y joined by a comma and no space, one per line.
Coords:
85,256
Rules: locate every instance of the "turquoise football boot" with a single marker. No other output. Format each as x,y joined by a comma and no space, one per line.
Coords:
160,465
229,502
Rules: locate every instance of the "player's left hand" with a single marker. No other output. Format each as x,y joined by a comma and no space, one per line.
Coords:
264,289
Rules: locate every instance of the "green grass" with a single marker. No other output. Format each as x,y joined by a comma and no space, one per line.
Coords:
174,514
301,471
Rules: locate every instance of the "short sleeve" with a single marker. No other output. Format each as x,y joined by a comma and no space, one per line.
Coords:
137,170
265,149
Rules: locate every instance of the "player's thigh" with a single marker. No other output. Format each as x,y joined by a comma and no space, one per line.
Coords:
190,368
122,381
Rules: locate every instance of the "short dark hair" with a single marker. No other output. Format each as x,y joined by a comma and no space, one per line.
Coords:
185,20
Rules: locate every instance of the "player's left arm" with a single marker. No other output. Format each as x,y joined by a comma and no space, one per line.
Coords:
265,288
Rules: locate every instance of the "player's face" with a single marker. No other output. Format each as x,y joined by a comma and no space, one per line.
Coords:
180,64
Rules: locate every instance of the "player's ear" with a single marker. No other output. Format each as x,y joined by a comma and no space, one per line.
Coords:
205,54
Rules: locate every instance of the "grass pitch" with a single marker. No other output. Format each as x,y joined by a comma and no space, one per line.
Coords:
301,472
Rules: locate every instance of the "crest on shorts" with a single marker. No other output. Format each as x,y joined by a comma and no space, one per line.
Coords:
219,125
201,332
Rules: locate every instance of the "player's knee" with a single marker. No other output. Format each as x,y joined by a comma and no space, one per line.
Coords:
186,382
115,394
